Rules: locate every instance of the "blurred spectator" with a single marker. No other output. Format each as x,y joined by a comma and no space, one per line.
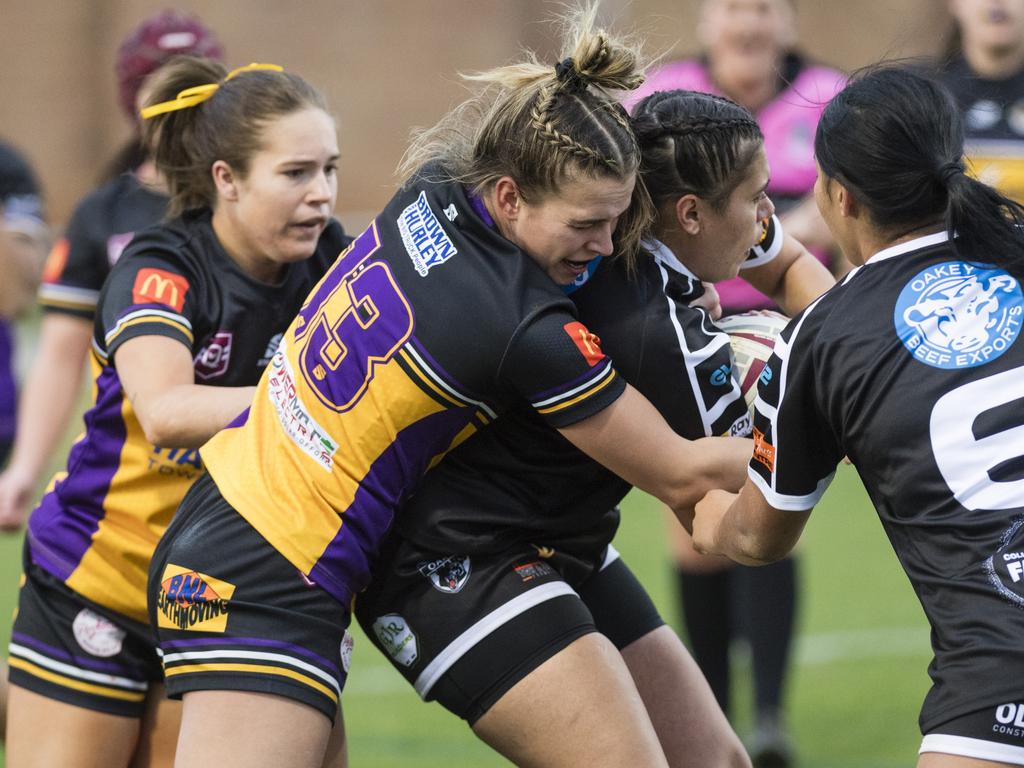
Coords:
100,228
748,56
24,238
984,68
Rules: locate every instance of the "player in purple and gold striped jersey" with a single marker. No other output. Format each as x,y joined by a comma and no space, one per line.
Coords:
445,313
187,321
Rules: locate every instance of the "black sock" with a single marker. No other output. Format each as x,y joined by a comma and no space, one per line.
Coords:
766,607
705,603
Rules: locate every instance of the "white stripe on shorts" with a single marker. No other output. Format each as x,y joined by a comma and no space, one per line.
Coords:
20,651
171,658
610,556
976,748
458,647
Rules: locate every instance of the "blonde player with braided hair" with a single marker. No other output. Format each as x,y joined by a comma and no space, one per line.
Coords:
446,312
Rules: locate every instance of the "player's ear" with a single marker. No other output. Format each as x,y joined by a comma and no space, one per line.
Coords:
848,205
225,181
507,198
689,209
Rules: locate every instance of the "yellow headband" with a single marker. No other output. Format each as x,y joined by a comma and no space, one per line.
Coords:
200,93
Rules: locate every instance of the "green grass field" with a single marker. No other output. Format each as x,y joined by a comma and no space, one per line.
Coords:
858,675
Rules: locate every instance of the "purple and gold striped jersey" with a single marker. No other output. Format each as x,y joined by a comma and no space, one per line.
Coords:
99,521
429,326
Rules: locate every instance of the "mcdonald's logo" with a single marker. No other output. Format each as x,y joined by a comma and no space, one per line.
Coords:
56,261
155,286
586,342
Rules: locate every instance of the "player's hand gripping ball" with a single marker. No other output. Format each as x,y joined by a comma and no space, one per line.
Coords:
752,336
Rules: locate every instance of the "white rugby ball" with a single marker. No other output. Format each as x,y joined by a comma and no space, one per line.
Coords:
752,336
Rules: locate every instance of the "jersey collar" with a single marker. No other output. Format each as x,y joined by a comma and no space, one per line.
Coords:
664,256
917,243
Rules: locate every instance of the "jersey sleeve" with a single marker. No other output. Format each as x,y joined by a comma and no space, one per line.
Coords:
556,364
770,245
150,292
687,365
795,451
77,266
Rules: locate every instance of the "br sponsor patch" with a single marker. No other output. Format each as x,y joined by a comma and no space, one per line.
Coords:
97,635
158,286
958,315
192,601
425,239
447,574
586,342
397,639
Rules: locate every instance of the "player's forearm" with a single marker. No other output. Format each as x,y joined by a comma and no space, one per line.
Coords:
21,265
188,415
743,528
48,397
711,463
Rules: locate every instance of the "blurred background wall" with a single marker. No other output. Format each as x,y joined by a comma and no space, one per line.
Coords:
385,66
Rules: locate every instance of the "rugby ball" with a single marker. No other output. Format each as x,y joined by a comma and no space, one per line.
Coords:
752,337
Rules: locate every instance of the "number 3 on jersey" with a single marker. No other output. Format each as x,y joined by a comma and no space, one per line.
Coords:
356,320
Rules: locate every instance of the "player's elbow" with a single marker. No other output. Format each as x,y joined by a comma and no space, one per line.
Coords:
756,548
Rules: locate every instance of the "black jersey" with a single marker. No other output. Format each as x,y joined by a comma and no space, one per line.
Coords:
100,229
520,481
97,526
426,329
913,367
993,113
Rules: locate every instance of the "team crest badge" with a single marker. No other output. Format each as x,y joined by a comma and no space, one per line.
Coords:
448,574
958,315
1006,567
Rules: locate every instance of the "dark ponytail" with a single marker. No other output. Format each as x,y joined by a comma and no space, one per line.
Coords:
895,138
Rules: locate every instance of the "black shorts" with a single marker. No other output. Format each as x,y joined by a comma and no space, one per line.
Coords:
67,648
993,733
231,613
464,630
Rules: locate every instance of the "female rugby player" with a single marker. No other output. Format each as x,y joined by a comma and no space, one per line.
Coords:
442,315
913,366
186,323
503,556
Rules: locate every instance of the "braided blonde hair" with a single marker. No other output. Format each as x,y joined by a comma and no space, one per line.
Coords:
545,125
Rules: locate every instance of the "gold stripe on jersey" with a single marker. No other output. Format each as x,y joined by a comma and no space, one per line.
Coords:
590,388
144,493
261,472
69,682
264,669
181,325
434,385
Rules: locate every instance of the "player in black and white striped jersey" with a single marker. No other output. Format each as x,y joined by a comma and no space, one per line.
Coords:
914,368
